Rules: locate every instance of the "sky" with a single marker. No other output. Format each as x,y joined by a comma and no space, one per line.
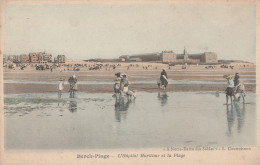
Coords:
85,31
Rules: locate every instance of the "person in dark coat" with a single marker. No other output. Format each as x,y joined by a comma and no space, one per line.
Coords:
236,79
73,85
164,79
117,87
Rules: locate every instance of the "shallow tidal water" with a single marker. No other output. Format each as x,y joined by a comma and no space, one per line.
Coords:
152,120
175,82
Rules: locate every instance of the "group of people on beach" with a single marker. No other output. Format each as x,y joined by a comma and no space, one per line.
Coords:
73,86
235,87
121,85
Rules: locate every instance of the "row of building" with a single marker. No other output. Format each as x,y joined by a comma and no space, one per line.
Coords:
164,57
171,57
35,57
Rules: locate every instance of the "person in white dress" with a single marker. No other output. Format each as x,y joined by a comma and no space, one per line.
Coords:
61,86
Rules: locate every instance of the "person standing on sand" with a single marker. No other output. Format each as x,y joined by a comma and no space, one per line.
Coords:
164,79
61,87
230,87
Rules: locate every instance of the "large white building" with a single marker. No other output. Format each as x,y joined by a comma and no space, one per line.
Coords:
206,57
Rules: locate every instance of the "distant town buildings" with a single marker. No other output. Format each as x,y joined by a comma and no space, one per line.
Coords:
24,58
61,59
34,57
13,58
206,57
163,57
44,57
142,57
171,57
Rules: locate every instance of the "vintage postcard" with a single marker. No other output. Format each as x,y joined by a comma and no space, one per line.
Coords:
129,82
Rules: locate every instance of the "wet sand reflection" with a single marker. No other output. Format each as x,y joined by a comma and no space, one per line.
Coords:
73,106
163,98
121,108
235,111
150,120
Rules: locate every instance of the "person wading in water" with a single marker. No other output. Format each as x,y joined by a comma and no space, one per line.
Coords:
239,89
164,79
124,83
117,88
61,87
73,85
230,87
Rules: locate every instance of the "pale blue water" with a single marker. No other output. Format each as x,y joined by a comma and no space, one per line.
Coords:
152,120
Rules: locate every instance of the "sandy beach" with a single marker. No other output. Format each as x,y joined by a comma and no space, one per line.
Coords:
134,73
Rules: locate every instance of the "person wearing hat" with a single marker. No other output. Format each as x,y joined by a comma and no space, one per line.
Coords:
230,87
73,85
164,79
61,86
124,83
236,79
117,88
239,89
118,75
